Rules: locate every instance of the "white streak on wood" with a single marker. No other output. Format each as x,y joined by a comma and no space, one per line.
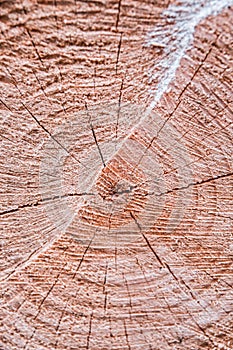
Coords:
175,36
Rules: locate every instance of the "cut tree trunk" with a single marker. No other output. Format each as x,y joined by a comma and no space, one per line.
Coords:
116,175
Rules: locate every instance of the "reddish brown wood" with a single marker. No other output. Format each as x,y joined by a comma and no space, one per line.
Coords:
125,241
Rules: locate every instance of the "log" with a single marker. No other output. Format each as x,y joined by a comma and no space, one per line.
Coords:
116,175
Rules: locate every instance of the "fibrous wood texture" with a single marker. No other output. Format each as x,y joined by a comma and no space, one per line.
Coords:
116,175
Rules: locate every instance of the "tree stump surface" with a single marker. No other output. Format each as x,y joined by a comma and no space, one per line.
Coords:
116,175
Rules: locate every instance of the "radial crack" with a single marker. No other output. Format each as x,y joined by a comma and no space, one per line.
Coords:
119,108
198,183
94,136
118,52
34,45
127,336
89,331
147,241
82,258
35,204
118,13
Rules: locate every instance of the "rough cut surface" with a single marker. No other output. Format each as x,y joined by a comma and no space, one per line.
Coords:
116,222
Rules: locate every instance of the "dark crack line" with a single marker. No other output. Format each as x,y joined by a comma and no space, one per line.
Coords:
30,205
214,133
219,280
34,45
118,14
211,92
129,296
213,116
104,287
105,277
29,339
126,335
192,184
115,252
89,331
110,328
119,108
4,104
200,157
94,136
97,144
118,52
49,133
146,239
152,291
83,257
22,263
6,138
25,11
184,90
59,323
62,90
105,301
41,86
61,76
175,109
44,128
199,327
94,79
198,183
39,123
179,281
116,234
49,291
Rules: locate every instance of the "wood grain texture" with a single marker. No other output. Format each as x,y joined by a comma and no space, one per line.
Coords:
116,223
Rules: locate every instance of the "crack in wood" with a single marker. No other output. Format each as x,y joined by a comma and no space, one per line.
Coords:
178,311
198,183
95,138
126,335
6,105
44,200
118,13
89,331
147,241
119,108
83,257
118,52
34,45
